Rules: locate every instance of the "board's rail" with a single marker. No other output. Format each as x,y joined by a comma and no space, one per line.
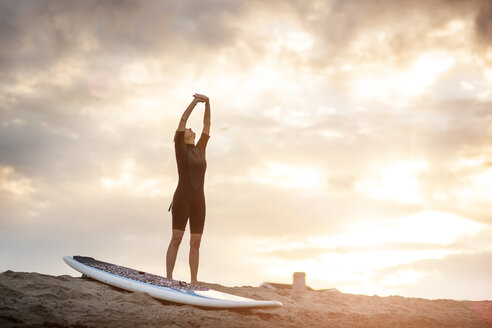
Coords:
205,298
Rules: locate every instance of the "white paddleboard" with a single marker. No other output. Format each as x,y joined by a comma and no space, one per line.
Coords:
160,287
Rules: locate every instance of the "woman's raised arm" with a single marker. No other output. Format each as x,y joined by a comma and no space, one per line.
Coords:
206,118
186,114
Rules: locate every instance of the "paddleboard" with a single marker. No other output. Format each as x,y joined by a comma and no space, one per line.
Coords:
160,287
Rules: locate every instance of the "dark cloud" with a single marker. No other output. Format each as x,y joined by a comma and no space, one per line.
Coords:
483,22
104,36
35,34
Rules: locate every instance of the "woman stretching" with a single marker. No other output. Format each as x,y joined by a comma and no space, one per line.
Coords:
189,198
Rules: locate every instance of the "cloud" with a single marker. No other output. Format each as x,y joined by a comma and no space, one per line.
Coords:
12,184
304,93
483,25
463,276
41,33
339,28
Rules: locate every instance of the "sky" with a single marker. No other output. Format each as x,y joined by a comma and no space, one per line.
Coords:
351,140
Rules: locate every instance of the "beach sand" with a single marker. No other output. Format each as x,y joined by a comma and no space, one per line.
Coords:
37,300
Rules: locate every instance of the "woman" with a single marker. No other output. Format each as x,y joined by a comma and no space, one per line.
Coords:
189,198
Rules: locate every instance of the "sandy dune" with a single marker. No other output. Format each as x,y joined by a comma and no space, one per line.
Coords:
33,300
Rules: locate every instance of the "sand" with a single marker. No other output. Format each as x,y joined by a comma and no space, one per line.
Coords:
37,300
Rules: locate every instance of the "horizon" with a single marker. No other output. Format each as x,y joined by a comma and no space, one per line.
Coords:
349,140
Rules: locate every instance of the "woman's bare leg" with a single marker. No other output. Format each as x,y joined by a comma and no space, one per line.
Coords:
172,251
195,239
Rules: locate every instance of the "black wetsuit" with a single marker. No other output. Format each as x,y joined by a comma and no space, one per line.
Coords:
189,198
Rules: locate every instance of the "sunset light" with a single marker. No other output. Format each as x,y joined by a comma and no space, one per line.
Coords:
287,176
402,86
350,140
396,181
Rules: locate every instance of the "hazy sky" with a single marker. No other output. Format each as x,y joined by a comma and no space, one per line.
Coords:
351,140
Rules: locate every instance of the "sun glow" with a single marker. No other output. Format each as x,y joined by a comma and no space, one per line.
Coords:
397,181
132,179
427,227
286,176
387,85
297,41
478,189
402,277
370,246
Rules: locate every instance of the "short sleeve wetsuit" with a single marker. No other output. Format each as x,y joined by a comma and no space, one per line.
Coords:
189,197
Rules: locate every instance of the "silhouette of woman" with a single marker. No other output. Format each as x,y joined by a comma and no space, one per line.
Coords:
189,198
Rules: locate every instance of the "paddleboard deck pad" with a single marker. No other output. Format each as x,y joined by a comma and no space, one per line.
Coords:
161,287
141,276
